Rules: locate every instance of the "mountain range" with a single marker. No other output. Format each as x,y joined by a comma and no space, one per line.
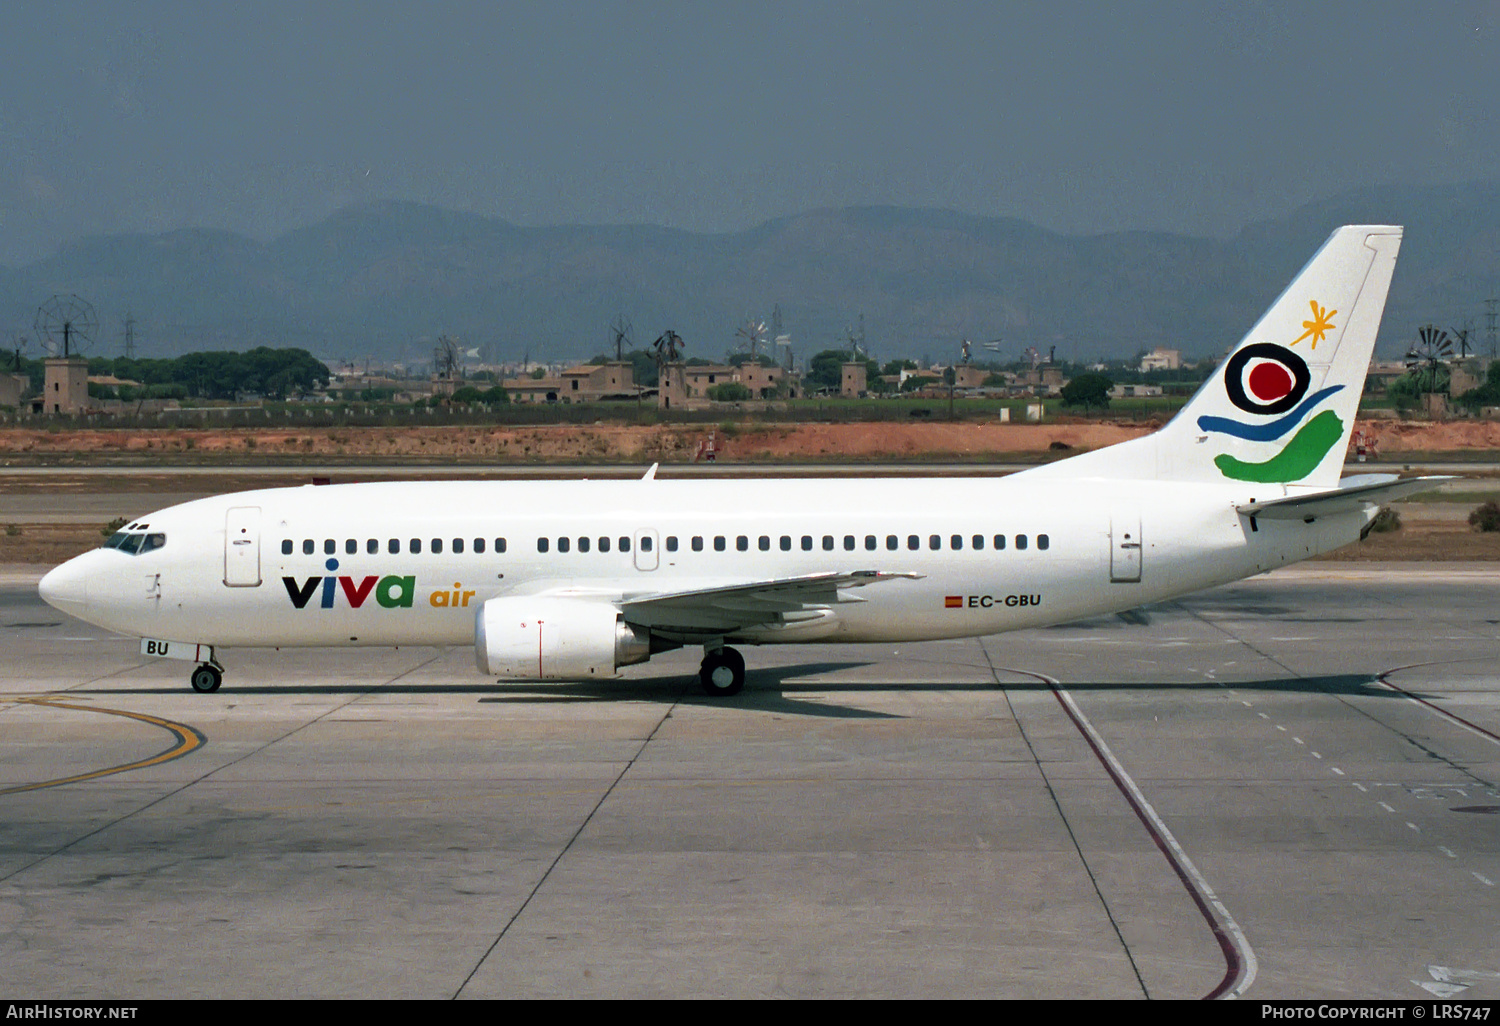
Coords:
383,280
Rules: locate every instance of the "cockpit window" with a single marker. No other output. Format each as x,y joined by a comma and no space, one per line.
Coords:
135,542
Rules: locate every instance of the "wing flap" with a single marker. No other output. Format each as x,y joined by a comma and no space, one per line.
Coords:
731,607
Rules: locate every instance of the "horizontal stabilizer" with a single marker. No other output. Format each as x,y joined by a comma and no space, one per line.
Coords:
1353,495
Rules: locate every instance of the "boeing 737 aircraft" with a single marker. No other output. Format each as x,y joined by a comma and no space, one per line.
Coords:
575,579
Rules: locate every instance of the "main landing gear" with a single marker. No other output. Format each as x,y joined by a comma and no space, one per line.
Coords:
722,673
207,677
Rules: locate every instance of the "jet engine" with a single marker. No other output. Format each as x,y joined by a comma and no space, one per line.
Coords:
555,639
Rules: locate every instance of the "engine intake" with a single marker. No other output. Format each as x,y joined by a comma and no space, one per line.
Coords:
555,639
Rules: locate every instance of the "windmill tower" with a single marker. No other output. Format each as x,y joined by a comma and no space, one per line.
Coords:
1426,361
852,383
66,326
447,366
671,383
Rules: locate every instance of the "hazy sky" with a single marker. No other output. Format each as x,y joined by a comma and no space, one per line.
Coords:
1193,117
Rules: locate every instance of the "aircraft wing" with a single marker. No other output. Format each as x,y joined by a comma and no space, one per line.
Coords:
735,606
1352,495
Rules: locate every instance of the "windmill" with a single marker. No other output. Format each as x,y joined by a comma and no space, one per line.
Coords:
666,350
66,324
18,348
1433,348
621,330
753,333
857,350
447,361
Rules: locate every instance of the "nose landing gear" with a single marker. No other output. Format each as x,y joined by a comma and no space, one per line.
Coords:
207,677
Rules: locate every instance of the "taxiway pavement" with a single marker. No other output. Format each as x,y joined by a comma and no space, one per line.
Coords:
1284,788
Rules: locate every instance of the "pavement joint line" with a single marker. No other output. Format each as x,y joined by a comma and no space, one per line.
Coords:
563,851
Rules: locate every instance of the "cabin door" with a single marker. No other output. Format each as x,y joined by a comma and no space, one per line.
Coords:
242,547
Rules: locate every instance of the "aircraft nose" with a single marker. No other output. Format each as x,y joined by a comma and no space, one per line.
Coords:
65,588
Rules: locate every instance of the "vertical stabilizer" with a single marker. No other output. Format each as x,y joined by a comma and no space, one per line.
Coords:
1280,408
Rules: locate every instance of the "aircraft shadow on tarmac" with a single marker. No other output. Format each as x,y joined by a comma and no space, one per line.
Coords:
773,689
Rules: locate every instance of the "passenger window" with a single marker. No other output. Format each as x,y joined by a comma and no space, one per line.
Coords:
542,544
892,542
583,544
307,546
604,543
393,546
1042,541
329,547
786,543
848,543
372,546
935,542
437,546
742,543
870,543
828,543
286,545
718,543
765,543
350,546
624,543
999,541
645,543
956,542
697,543
562,544
807,543
458,546
478,545
671,543
415,548
1020,541
499,544
913,542
979,541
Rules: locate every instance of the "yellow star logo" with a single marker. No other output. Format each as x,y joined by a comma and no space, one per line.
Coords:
1319,326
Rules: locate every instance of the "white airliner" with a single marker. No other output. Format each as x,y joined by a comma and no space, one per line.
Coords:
575,579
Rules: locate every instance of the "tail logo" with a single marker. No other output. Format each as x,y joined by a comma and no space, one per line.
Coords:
1320,325
1268,380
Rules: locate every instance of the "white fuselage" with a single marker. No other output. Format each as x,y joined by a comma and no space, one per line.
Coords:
336,565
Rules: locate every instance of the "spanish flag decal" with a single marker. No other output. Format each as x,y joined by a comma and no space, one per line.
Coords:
953,602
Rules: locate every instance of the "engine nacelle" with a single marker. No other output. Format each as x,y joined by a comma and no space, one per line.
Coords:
555,639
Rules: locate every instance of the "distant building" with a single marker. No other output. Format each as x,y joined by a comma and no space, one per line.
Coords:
1162,358
1133,391
12,387
66,387
853,384
589,383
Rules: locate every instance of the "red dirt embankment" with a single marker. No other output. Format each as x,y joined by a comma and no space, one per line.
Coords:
606,443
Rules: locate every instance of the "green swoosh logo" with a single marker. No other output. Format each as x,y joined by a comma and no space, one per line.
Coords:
1300,457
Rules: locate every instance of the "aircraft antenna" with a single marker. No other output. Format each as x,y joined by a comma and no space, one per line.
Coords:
66,324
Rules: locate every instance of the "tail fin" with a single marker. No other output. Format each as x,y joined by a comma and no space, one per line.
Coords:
1280,409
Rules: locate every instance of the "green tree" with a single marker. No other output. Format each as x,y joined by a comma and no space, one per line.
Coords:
730,392
1088,390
